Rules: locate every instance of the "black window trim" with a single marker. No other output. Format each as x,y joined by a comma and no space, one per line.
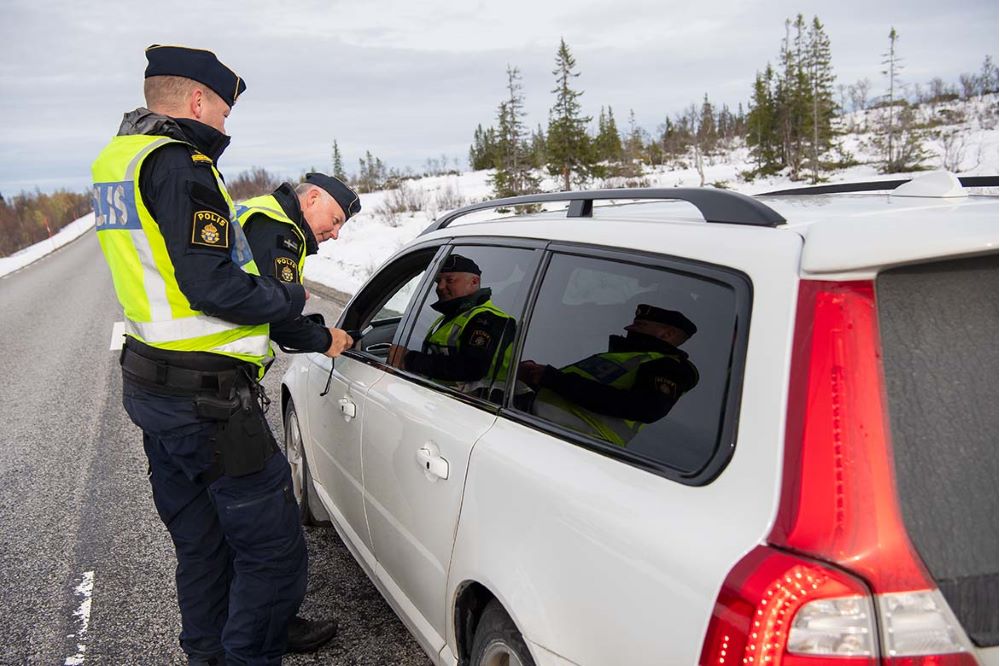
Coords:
445,247
742,287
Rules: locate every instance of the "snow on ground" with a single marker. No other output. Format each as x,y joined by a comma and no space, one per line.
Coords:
22,258
375,234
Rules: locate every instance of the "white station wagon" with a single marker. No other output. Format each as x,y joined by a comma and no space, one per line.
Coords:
679,426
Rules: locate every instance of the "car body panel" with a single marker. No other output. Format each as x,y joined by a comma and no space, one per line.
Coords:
334,443
413,515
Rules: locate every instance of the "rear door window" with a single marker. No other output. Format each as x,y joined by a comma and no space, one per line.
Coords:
938,324
636,359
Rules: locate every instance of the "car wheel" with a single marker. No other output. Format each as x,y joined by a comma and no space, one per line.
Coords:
296,455
497,641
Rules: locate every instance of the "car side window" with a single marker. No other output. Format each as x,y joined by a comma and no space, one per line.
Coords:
632,356
463,334
378,310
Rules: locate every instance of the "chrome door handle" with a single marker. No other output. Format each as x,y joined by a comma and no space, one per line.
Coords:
429,458
378,347
348,408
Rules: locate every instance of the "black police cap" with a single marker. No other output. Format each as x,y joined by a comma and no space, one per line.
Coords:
198,65
674,318
345,196
456,263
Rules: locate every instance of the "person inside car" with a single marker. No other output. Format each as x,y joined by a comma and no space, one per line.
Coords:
468,346
613,394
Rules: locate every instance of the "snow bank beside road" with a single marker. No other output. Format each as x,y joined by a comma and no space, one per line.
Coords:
32,253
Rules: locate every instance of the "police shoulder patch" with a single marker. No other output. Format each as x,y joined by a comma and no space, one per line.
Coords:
286,270
665,385
480,338
209,229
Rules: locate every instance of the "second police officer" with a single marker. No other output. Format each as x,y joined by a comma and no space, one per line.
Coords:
283,228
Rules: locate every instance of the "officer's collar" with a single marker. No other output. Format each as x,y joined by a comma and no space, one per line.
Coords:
289,201
208,140
459,305
639,342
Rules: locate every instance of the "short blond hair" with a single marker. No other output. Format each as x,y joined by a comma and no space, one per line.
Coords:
168,93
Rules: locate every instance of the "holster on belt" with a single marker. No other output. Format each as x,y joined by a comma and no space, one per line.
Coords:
224,390
243,441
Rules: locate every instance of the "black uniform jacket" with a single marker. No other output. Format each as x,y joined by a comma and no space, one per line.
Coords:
658,385
478,344
177,184
276,250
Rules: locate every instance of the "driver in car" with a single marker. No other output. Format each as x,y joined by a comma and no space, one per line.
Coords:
468,346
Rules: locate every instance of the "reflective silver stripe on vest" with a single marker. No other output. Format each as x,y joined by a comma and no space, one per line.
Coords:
178,329
256,345
153,283
193,327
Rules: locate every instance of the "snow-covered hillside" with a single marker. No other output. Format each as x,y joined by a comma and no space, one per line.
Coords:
968,139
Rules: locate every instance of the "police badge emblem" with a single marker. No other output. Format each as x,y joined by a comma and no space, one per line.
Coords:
286,270
208,228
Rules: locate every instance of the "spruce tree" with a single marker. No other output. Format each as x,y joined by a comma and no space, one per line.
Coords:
568,145
899,142
338,163
819,68
513,175
482,153
763,134
608,144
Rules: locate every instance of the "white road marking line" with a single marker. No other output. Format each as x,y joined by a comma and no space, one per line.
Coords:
84,591
117,336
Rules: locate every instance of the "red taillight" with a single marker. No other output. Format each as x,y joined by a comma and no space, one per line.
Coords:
838,505
754,617
838,500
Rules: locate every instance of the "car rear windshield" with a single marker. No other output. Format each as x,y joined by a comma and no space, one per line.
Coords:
939,337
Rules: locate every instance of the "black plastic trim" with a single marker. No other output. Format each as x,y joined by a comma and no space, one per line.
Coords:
876,185
717,206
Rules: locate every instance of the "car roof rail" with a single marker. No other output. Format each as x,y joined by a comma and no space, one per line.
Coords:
720,206
874,185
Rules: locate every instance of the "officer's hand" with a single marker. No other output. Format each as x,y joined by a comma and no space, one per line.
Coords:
341,341
530,373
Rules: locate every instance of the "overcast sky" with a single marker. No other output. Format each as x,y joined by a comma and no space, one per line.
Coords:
411,79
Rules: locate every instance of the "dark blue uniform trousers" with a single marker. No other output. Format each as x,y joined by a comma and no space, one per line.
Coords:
241,554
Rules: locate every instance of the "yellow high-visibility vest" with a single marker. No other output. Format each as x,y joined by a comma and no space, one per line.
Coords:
269,206
157,313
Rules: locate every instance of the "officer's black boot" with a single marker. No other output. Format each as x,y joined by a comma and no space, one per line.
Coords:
309,635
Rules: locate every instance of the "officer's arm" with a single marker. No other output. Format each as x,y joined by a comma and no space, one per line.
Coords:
200,252
272,244
643,402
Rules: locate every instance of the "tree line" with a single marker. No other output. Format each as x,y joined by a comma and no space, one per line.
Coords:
31,217
793,119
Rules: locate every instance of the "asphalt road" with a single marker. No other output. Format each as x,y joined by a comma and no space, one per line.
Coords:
86,567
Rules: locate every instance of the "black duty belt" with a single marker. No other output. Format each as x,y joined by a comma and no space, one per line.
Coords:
159,373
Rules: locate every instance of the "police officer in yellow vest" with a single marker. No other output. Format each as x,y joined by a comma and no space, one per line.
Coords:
466,346
196,316
285,226
613,394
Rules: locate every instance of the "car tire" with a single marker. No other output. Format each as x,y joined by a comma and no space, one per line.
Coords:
295,453
497,641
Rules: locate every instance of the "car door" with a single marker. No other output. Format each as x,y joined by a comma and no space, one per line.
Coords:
338,407
420,429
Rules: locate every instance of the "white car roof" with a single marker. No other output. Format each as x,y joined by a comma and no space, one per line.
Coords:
842,233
